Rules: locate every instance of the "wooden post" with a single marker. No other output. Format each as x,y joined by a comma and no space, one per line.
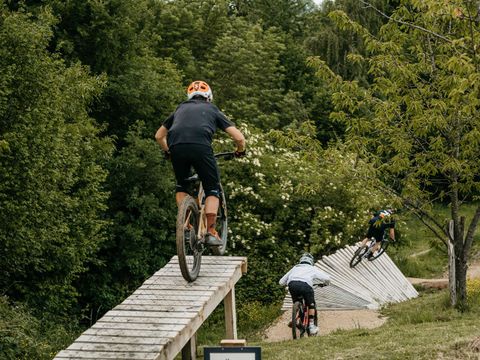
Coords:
451,265
189,351
230,315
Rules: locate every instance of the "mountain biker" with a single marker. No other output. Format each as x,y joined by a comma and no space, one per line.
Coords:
377,225
300,281
186,138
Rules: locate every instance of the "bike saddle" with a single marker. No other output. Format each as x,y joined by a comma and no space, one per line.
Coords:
192,178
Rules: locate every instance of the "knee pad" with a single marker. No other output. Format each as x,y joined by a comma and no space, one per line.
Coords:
312,306
213,192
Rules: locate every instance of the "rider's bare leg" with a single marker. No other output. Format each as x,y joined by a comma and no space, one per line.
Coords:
376,247
364,241
179,196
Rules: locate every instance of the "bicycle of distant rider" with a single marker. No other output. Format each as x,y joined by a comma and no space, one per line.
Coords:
300,320
365,251
192,226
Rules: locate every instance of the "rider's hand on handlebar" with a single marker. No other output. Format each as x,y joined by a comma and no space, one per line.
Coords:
239,154
167,155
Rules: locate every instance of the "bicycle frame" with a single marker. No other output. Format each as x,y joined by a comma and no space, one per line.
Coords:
302,319
202,224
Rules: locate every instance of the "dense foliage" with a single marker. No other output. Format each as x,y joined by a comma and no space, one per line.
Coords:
87,200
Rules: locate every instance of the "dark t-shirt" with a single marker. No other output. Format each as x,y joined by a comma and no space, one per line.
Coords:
195,122
377,226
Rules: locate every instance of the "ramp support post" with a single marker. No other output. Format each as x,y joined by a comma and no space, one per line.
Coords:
189,351
230,315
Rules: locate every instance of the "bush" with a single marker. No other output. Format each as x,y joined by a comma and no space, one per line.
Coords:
23,336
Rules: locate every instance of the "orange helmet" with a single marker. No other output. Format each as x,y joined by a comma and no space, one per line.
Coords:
199,88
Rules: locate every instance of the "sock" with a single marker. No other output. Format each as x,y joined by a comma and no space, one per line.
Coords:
311,319
211,221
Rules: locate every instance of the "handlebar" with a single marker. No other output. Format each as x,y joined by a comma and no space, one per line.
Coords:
225,155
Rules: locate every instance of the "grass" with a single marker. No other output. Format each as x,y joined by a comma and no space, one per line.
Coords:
423,328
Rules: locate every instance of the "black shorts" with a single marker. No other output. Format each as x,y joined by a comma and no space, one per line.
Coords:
299,290
199,157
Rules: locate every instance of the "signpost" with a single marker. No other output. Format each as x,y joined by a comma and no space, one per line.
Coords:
232,353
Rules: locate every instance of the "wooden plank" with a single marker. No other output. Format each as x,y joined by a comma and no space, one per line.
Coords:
179,281
127,332
173,326
230,315
174,291
105,355
164,302
166,308
115,347
185,287
132,340
154,316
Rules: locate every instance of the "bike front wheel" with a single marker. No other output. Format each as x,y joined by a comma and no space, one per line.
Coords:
297,320
358,255
189,248
222,225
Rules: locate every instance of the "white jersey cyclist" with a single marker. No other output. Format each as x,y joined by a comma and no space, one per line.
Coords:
300,280
306,273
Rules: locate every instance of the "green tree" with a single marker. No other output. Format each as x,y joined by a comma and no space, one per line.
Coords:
418,122
324,39
51,172
248,78
287,15
142,210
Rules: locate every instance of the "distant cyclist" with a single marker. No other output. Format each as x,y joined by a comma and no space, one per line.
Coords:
186,138
300,280
377,225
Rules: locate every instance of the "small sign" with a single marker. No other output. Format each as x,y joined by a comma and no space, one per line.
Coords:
232,353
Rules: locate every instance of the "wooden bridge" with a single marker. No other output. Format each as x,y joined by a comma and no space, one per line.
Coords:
160,319
369,285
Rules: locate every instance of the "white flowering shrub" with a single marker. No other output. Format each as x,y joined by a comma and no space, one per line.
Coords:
288,196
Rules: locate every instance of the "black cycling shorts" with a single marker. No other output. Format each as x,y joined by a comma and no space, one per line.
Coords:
299,290
201,158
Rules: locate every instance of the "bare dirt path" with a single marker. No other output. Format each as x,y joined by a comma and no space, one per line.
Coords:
330,321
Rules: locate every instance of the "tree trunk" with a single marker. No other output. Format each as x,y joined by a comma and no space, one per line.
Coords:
461,282
460,259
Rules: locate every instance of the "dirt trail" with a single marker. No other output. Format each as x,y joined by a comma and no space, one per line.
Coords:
330,321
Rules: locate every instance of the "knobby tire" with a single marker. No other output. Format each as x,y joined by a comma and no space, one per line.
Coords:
297,320
357,256
188,251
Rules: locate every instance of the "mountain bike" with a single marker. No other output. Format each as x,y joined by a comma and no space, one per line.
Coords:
300,321
365,251
192,226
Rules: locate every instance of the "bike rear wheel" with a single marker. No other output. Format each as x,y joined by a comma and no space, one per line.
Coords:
189,248
297,320
357,256
222,225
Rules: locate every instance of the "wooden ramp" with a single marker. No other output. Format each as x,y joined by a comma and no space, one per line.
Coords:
369,285
160,319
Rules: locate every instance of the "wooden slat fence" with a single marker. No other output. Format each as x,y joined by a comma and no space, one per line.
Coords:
369,285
